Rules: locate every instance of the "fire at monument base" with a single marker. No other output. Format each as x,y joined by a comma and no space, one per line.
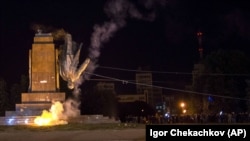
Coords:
82,119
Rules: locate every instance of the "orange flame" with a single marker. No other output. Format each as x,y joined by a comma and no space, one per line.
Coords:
52,117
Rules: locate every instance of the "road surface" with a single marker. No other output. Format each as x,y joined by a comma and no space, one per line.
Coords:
76,135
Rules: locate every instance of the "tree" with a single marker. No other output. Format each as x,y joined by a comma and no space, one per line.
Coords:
3,96
223,76
15,92
136,109
91,102
248,93
197,101
109,103
24,83
99,102
14,96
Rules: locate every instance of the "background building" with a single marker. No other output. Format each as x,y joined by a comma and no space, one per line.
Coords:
144,81
106,86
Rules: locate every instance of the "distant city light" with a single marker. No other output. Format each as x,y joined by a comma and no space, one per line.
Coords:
221,112
167,115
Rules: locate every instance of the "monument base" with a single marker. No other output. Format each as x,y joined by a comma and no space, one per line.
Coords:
42,97
17,120
81,119
32,106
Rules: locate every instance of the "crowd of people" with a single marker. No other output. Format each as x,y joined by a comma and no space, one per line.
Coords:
202,118
194,118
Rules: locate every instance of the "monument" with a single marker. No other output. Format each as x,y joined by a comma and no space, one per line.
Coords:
46,65
43,81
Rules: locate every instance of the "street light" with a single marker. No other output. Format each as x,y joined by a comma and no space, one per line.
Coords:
184,111
182,104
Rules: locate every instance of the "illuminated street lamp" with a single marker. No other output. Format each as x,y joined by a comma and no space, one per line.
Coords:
182,104
184,111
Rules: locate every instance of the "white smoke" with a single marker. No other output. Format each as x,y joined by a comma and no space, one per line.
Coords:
71,105
71,108
118,12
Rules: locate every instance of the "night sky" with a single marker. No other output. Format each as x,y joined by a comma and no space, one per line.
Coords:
156,33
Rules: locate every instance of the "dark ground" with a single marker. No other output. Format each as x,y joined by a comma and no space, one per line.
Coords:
77,135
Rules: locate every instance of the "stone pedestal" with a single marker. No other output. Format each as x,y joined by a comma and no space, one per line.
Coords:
43,79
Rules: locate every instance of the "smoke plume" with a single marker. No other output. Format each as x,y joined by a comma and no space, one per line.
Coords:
118,12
